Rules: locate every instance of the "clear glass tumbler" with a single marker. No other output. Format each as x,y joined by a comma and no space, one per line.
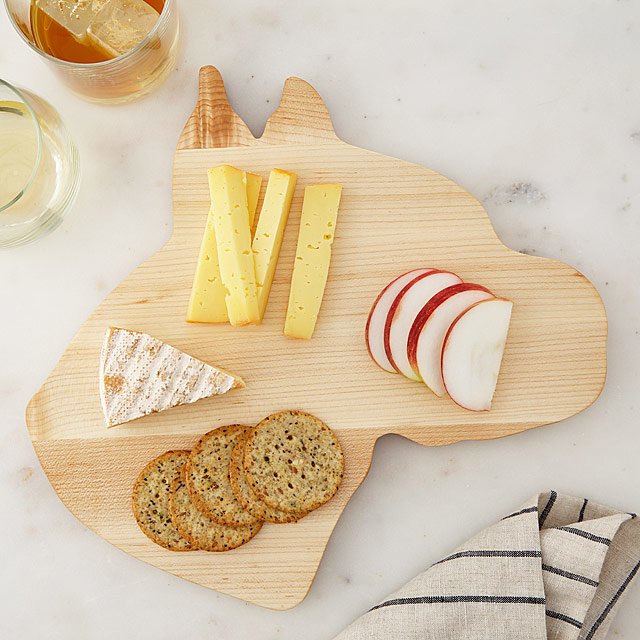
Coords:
127,77
39,167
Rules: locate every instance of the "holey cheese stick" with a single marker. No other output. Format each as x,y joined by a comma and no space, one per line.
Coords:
208,294
313,255
233,238
270,231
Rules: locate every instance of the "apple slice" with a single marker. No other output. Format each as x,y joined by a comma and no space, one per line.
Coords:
403,313
424,346
374,331
472,353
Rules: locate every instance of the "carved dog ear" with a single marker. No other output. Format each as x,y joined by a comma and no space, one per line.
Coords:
213,123
301,117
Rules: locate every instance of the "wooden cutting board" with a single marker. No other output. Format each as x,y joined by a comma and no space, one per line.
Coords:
394,216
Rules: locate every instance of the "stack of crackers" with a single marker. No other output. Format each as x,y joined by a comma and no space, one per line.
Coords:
217,496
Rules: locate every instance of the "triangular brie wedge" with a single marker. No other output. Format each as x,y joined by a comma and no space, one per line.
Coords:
140,375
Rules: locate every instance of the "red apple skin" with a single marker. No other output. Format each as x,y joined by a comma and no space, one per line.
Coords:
392,312
375,304
427,310
444,346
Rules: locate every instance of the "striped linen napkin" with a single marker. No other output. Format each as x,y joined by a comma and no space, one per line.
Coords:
557,568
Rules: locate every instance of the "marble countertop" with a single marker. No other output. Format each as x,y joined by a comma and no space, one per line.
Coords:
531,107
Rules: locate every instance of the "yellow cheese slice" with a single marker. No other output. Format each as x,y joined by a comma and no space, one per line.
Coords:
233,238
267,240
207,302
254,182
313,255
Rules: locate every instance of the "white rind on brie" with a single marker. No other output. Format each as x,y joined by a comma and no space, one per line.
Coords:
140,375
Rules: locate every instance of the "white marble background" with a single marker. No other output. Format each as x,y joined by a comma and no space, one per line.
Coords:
533,107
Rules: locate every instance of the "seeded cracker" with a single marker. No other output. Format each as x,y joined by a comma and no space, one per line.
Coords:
207,477
151,493
245,494
202,532
293,462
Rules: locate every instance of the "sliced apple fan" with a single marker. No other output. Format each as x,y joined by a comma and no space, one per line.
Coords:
431,326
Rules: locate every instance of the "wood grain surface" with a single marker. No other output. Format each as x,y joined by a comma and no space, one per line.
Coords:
394,216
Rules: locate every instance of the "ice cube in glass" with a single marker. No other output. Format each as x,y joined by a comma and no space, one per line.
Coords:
74,15
121,25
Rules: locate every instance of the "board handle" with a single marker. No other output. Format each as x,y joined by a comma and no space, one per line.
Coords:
301,117
213,123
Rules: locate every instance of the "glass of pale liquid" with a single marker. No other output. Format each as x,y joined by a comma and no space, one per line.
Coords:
39,167
106,51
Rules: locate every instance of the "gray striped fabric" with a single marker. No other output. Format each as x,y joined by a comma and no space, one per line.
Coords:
556,568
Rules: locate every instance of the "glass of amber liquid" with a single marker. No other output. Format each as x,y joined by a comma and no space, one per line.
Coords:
39,167
106,51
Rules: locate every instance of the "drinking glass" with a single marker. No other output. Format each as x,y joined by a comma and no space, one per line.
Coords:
124,78
39,167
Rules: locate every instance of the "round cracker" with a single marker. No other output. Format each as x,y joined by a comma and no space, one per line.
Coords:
245,494
207,477
293,462
202,532
151,493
